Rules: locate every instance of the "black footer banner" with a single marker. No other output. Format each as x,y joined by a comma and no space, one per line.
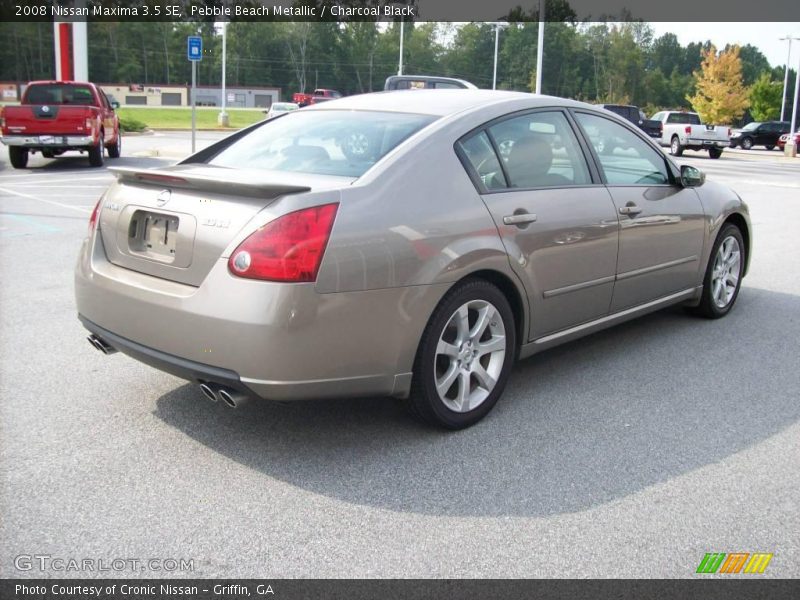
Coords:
405,589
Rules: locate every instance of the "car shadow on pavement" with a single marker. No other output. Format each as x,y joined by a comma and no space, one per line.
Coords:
80,163
580,425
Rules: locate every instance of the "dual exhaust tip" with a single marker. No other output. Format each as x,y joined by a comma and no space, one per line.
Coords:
212,391
229,396
101,344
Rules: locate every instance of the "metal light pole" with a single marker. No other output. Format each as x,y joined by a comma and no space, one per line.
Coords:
791,147
497,27
222,118
402,30
789,39
540,48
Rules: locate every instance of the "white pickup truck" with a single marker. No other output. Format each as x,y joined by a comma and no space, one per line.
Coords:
684,131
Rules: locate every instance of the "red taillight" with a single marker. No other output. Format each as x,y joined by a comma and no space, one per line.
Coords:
688,130
93,218
290,248
729,132
89,124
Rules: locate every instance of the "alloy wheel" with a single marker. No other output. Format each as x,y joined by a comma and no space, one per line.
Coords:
470,355
725,275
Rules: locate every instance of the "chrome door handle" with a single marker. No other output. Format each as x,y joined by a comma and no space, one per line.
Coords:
630,209
519,219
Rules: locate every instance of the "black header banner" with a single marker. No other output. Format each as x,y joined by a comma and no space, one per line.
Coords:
395,10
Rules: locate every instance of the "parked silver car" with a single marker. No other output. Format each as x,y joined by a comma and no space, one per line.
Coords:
476,228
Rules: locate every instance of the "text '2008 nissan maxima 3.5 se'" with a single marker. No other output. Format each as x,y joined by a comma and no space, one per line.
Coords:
407,244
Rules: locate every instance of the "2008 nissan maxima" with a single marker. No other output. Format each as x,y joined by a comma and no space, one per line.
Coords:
408,244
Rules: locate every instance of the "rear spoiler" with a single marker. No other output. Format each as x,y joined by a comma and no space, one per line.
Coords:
209,179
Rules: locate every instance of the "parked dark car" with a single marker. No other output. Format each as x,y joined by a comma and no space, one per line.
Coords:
426,82
636,116
760,134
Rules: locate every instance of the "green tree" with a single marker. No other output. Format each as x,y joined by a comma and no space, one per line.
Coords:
720,96
765,98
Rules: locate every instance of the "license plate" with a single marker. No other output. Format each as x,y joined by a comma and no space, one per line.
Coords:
153,234
51,139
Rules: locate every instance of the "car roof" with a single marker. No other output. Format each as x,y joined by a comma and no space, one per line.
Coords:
439,102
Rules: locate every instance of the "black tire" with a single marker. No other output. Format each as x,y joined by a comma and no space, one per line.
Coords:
115,149
18,157
675,147
747,143
96,153
425,402
715,152
770,147
708,307
48,154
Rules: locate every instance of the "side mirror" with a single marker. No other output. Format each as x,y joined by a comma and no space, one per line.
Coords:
692,176
115,105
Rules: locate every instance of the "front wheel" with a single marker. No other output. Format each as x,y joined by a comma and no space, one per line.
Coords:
675,147
715,152
18,157
465,356
724,274
747,143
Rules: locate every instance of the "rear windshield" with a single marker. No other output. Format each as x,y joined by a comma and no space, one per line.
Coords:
684,118
59,93
327,142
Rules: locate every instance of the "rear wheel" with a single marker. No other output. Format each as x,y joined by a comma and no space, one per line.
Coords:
770,147
675,147
724,273
715,152
96,153
747,143
115,149
18,157
465,356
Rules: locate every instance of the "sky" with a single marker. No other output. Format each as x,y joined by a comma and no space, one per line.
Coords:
763,36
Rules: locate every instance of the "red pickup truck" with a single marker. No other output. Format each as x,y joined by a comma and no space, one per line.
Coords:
320,95
57,116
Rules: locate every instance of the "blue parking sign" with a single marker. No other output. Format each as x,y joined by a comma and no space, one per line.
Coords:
194,48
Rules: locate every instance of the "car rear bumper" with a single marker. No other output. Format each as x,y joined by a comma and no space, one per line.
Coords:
279,341
694,142
48,141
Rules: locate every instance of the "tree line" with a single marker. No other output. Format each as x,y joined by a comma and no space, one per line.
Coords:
590,61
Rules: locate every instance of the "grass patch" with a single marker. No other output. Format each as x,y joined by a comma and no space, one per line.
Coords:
181,118
130,124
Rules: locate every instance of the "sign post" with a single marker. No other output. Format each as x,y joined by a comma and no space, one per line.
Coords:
194,52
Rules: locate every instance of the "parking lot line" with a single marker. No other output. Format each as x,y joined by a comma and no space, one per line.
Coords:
53,202
28,221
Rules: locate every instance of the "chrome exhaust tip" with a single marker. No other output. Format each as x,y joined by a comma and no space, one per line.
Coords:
209,391
101,345
233,398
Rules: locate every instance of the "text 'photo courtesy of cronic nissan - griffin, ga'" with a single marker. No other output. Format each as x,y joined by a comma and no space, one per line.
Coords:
412,244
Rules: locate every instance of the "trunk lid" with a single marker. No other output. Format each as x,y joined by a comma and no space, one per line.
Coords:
175,223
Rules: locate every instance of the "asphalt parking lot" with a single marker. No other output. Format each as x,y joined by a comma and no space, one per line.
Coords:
630,453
